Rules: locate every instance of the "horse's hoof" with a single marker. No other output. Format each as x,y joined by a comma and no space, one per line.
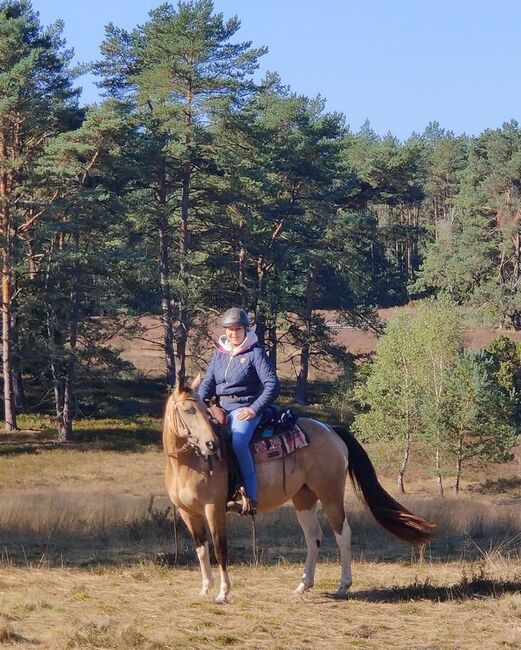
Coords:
341,594
222,600
302,588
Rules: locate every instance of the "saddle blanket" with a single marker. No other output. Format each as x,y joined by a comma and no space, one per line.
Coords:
279,445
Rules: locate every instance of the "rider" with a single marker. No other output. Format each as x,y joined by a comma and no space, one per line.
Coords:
245,383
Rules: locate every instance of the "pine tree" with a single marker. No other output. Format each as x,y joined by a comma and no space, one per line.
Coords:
177,70
477,261
78,249
37,103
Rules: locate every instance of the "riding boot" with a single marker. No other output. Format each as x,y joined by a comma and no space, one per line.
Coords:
246,505
234,506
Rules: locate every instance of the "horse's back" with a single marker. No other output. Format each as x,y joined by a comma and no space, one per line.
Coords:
321,464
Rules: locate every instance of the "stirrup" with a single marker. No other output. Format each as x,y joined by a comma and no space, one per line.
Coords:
246,505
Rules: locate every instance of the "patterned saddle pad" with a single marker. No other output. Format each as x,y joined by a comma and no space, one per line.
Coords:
279,445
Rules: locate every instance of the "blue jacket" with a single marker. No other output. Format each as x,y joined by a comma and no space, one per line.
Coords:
248,379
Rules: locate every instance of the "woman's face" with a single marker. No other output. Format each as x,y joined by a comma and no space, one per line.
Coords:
236,334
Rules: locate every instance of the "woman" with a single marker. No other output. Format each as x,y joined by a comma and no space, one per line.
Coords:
245,383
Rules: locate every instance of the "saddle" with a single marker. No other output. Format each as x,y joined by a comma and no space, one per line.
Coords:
274,422
276,436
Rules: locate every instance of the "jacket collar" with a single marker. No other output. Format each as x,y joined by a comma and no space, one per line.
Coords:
250,340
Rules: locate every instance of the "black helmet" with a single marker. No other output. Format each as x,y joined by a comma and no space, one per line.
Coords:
235,317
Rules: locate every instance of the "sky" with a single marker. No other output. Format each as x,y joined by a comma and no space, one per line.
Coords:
398,63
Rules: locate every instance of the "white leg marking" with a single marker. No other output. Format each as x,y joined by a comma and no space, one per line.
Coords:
222,598
344,544
204,560
308,521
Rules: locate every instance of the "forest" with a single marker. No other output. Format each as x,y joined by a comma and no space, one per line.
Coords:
193,186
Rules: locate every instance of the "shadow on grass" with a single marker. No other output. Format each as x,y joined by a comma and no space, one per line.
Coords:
122,398
497,486
133,435
476,586
99,397
116,437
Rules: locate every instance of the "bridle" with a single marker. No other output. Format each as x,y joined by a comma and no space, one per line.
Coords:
183,432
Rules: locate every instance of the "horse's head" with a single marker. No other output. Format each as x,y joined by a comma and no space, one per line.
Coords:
191,420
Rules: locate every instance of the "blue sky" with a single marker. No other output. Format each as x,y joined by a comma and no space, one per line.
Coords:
398,63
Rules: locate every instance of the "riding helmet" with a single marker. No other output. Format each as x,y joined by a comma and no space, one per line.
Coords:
235,317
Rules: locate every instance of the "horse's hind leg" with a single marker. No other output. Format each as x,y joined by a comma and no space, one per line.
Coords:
216,518
305,502
335,513
197,527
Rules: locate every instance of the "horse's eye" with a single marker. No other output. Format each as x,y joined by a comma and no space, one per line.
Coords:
190,411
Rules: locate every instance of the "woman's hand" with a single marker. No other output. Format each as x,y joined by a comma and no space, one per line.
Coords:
246,413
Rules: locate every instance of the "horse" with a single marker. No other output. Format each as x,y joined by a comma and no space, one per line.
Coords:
196,478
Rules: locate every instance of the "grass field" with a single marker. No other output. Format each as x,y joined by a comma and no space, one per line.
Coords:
392,605
88,559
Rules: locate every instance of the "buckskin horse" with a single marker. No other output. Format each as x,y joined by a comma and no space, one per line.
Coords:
197,483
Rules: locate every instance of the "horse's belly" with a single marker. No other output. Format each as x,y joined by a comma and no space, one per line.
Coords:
277,483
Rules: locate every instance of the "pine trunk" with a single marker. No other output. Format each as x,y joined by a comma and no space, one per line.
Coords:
18,386
302,379
183,325
459,466
68,411
458,476
272,337
260,316
164,280
241,268
20,401
9,402
166,302
183,311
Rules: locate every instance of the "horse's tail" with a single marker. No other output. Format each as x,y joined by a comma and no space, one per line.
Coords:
388,513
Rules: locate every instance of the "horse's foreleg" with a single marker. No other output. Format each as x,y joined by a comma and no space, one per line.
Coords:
336,516
216,518
197,528
305,504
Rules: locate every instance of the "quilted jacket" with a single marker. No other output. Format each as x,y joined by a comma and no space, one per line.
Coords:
243,377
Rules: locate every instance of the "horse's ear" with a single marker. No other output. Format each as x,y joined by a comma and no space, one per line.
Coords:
196,382
182,385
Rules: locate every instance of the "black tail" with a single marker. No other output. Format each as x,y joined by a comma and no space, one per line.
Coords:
388,513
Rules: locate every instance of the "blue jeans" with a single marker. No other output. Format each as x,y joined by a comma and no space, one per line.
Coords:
242,432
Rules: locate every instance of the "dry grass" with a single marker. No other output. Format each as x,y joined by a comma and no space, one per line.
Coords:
450,605
86,543
86,506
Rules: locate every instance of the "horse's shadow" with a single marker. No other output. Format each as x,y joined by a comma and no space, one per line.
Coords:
466,589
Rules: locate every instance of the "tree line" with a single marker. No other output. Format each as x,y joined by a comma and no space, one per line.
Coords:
192,186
